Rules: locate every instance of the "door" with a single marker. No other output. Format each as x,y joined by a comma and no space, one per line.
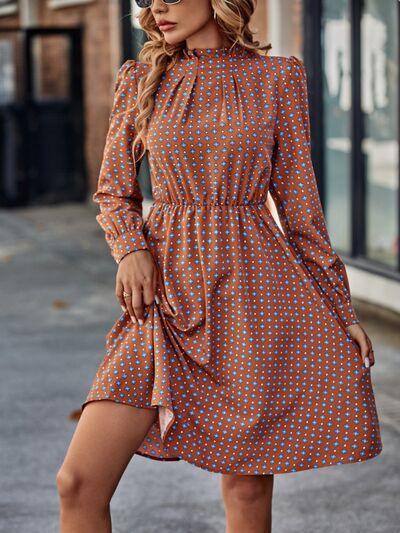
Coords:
42,127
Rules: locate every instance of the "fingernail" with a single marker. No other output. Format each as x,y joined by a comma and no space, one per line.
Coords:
366,362
140,321
157,299
123,308
133,319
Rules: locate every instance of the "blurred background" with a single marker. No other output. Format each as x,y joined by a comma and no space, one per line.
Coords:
58,62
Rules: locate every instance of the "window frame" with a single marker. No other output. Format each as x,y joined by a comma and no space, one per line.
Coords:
312,53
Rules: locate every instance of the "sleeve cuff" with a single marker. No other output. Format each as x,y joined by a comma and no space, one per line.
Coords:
128,242
345,310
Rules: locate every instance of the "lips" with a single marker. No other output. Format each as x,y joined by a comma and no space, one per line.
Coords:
165,25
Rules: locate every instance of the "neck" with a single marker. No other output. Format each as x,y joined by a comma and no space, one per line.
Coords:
208,36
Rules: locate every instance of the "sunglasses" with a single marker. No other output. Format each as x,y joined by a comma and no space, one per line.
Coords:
149,3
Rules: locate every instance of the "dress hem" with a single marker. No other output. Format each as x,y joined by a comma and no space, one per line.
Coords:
269,472
215,471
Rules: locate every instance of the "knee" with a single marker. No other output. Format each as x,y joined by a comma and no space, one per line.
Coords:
246,489
68,483
77,489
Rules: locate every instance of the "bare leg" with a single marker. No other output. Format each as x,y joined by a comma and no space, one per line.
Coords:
104,441
247,502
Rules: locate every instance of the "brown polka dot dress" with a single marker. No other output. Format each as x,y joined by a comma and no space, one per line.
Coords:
246,357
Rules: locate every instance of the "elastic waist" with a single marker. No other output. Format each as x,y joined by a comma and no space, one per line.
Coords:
207,204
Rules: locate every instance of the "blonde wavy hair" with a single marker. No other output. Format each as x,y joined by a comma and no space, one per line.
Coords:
232,17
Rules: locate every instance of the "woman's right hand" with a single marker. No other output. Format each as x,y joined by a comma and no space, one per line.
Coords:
137,275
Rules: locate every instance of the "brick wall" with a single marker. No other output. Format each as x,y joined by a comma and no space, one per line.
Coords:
9,21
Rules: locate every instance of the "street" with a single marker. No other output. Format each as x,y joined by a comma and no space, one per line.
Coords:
57,303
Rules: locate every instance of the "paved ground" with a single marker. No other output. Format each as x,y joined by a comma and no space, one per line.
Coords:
57,301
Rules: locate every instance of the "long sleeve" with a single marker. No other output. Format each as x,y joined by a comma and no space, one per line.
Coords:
118,192
294,189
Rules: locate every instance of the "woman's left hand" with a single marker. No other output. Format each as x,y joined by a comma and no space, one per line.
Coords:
367,353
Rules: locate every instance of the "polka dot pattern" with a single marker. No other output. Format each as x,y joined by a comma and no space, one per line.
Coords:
246,358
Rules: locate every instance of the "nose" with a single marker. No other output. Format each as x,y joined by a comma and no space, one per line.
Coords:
158,6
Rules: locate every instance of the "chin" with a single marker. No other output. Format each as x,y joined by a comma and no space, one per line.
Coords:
175,39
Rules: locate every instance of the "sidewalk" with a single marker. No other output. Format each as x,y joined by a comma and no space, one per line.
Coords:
57,302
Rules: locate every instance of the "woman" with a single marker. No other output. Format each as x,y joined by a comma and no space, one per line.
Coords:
238,349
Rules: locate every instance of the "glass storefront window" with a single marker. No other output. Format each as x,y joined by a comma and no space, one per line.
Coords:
379,79
336,61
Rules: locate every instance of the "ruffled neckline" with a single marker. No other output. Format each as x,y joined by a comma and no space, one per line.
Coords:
214,53
221,65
